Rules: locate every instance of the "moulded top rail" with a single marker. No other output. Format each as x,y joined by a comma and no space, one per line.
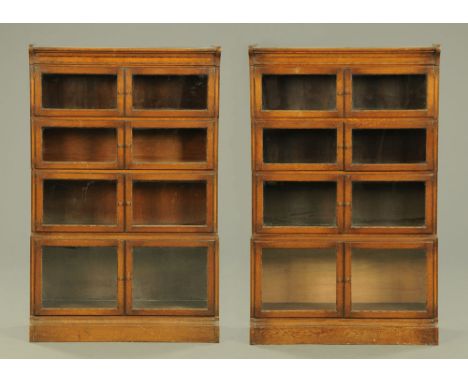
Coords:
344,56
119,56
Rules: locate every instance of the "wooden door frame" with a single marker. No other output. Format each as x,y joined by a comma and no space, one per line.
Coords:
429,71
36,272
294,124
77,69
261,177
38,124
210,127
40,176
281,69
211,200
429,182
211,101
256,279
431,279
428,125
211,273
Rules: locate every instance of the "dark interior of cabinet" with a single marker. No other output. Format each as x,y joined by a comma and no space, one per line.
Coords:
169,203
388,279
389,146
388,203
169,278
299,145
188,92
397,92
79,144
80,202
299,203
298,92
79,277
298,279
169,145
79,91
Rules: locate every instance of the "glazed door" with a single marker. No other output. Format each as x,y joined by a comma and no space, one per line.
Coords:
171,92
78,91
390,280
170,202
389,203
390,91
389,145
298,91
170,144
298,145
170,277
69,202
78,277
298,279
72,144
298,203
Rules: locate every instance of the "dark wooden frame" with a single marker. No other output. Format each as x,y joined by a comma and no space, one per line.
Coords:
36,270
76,69
211,279
40,123
257,279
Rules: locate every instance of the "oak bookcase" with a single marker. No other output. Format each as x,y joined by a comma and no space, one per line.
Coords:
344,172
124,242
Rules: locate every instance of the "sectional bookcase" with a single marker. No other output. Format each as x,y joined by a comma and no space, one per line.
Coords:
124,242
344,173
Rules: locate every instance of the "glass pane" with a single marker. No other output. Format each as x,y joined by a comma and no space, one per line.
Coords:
79,277
299,203
299,92
82,202
388,279
389,145
388,204
79,91
169,145
299,146
79,144
298,279
169,203
170,92
169,278
387,92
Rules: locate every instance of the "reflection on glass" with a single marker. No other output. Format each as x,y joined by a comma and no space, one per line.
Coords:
388,204
79,277
169,145
169,203
188,92
82,202
169,278
389,146
79,144
299,145
299,92
388,279
299,203
389,92
298,279
79,91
